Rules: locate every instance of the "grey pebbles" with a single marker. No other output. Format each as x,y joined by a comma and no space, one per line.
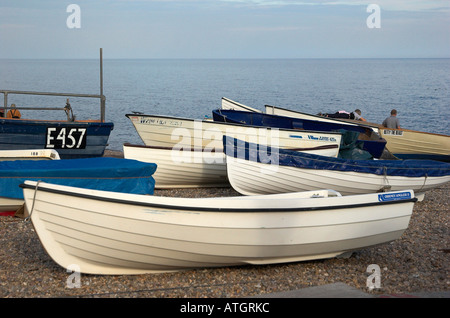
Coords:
417,262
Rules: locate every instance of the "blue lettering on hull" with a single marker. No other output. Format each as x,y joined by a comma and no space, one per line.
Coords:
394,196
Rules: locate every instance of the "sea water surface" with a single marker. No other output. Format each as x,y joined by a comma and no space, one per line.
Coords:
418,88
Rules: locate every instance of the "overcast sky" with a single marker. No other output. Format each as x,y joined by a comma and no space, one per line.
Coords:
224,29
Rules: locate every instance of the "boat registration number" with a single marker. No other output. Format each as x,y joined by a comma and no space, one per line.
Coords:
393,132
163,122
65,138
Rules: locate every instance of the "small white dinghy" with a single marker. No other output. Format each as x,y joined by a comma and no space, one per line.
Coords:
9,206
117,233
29,154
185,168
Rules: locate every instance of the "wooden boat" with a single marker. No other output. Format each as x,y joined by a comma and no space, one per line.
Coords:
110,174
117,233
37,154
293,171
402,143
185,133
372,143
411,144
185,168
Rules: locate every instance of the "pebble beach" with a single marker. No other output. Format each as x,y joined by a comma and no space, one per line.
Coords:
417,262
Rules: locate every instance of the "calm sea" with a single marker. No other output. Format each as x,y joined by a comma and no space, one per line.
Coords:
418,88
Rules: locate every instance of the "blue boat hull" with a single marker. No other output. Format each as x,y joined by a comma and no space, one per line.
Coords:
108,174
79,139
435,157
374,146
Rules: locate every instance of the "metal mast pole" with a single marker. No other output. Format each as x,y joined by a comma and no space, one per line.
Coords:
102,98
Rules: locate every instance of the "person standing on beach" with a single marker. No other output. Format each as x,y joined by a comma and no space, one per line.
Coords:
392,121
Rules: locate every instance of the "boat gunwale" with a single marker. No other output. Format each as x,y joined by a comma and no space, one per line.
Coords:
213,209
335,164
213,149
233,124
366,124
43,121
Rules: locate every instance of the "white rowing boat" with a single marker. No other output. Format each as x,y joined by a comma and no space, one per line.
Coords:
104,232
290,171
185,133
29,154
184,168
231,104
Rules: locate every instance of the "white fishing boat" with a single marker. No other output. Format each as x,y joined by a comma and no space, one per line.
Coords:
293,171
104,232
370,141
189,153
184,168
185,133
231,104
31,154
402,143
275,110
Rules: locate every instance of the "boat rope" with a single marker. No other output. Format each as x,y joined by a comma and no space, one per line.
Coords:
386,186
34,199
224,117
424,181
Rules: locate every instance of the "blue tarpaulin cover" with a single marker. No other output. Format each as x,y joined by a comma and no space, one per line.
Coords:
283,157
103,173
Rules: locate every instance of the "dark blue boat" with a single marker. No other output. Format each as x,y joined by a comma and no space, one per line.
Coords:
105,173
371,142
72,139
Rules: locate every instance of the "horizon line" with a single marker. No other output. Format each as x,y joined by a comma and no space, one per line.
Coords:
219,58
